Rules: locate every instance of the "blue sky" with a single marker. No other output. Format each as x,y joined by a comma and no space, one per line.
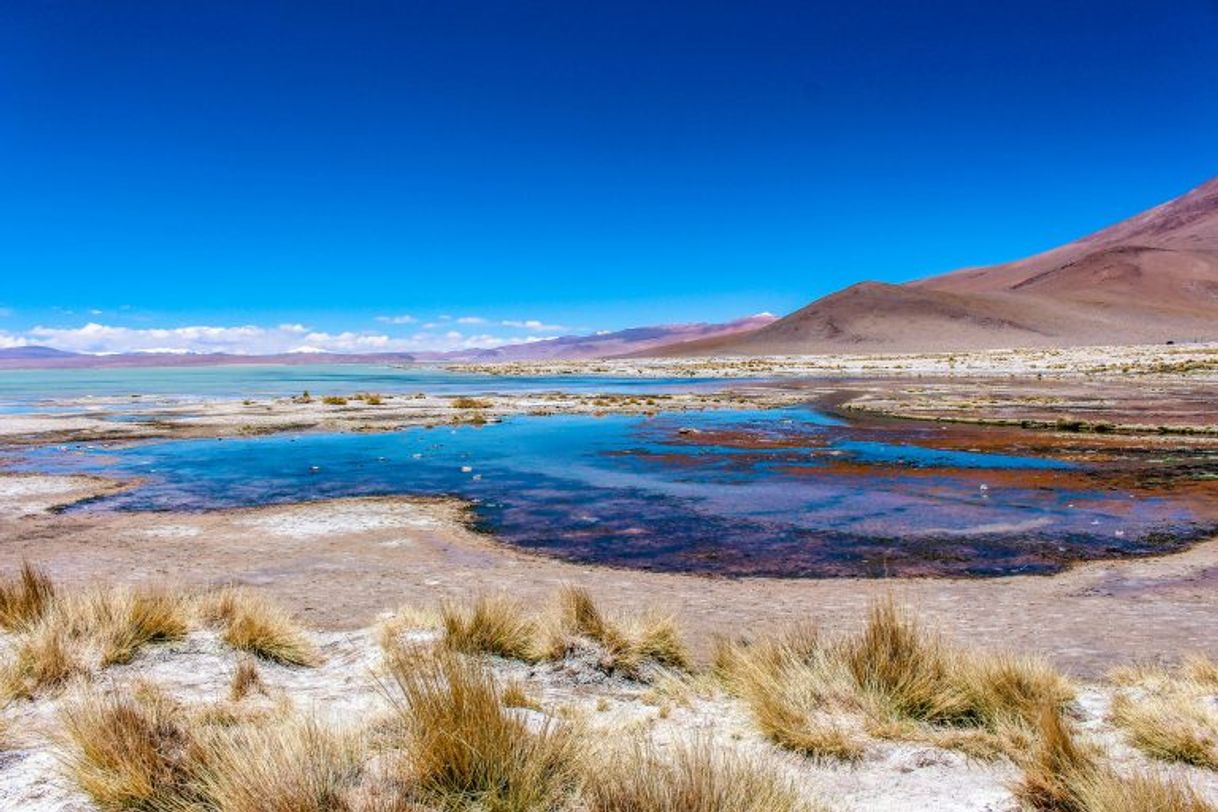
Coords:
313,173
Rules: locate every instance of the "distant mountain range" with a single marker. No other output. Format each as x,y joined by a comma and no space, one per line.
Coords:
598,345
1150,279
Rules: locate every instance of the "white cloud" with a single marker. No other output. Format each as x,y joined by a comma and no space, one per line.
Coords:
532,324
402,319
248,339
471,320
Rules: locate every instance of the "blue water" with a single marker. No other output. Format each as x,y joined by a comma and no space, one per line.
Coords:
771,493
24,390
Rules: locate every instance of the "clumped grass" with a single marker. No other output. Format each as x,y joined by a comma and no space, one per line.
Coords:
470,403
694,777
1173,728
130,754
141,750
653,636
1062,775
251,623
246,681
494,624
1170,718
42,661
464,749
301,766
515,695
334,400
900,680
25,598
131,620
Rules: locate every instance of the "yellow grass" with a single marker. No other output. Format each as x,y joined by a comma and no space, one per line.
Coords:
470,403
464,749
1174,727
654,636
25,598
251,623
129,753
894,680
42,661
515,695
1062,775
494,624
246,680
693,777
301,766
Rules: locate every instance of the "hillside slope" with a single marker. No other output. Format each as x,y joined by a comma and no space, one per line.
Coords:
1149,279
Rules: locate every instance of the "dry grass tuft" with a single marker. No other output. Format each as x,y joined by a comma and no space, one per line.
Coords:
694,777
136,619
251,623
301,766
1172,727
464,749
24,599
515,695
1167,713
1061,775
894,680
653,637
246,681
42,661
130,753
494,624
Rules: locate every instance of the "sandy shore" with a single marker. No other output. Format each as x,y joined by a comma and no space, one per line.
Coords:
341,563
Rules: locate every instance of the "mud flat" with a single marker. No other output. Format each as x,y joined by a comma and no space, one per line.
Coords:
340,563
1199,360
85,420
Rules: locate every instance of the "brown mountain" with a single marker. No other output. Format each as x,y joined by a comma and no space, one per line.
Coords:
1149,279
603,345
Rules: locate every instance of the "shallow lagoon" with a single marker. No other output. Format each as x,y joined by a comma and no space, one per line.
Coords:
778,492
23,390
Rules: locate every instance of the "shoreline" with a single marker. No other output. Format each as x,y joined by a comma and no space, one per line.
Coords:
368,555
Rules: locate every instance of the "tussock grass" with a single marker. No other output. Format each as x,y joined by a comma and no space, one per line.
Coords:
694,777
1173,727
130,753
470,403
42,661
246,681
25,598
249,622
653,636
141,750
300,766
1166,712
1062,775
463,749
500,625
515,695
493,624
130,620
894,680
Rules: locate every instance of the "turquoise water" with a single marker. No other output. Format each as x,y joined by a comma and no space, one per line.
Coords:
23,390
779,492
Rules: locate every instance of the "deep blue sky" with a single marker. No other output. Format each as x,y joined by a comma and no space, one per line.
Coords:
590,165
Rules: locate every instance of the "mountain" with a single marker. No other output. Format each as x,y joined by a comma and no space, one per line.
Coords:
33,351
56,359
600,345
1149,279
604,345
